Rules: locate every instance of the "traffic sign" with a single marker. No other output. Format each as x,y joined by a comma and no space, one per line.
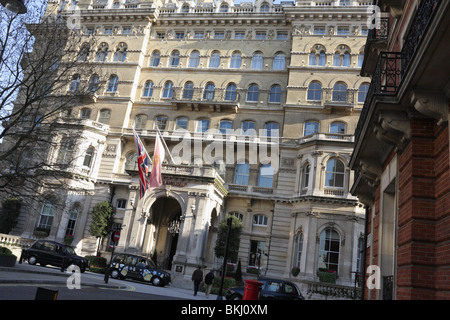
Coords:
116,236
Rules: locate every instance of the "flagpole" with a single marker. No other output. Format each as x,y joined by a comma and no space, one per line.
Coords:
134,132
164,143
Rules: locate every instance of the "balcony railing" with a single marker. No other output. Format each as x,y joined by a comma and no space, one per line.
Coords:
392,67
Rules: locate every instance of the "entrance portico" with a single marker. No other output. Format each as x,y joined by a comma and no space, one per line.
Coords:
174,221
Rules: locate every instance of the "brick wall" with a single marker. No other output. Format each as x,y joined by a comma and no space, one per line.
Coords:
423,217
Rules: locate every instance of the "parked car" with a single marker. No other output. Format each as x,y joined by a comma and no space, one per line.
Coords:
272,289
52,253
138,268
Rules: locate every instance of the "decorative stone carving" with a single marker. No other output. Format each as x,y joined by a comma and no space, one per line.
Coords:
431,104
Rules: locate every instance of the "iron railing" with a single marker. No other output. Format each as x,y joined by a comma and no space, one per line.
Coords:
392,67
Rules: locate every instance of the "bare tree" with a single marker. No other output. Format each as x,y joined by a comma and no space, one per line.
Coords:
45,74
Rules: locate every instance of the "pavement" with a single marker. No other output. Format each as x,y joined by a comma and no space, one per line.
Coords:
38,275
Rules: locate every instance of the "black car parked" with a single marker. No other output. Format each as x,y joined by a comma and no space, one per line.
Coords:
52,253
272,289
138,268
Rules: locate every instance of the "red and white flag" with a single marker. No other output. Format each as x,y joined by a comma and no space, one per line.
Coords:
158,158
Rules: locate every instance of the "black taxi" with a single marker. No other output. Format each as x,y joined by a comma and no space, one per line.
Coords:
138,268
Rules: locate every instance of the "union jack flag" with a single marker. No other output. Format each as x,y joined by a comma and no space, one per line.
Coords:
143,160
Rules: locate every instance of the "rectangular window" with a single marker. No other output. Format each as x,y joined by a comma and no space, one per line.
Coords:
260,35
343,31
219,35
319,31
282,35
108,30
126,30
179,35
256,253
239,35
198,35
160,35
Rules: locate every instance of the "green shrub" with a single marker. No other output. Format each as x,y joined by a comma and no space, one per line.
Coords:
327,276
5,251
97,264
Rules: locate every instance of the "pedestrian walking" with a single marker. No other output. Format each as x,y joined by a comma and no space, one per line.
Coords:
197,277
208,282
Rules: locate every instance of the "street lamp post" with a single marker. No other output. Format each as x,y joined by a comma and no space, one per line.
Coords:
15,6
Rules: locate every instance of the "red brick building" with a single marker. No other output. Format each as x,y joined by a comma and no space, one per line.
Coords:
401,154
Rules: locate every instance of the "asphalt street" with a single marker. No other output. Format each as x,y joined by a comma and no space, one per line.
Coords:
21,282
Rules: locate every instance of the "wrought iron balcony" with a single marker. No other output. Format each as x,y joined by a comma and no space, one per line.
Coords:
392,67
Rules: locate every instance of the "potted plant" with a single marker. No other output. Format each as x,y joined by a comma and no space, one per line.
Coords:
7,259
295,271
68,239
328,276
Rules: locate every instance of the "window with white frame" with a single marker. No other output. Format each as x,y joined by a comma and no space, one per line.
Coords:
73,215
47,215
260,220
334,174
329,250
265,177
241,174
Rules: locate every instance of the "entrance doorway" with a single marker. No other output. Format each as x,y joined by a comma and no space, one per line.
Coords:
161,235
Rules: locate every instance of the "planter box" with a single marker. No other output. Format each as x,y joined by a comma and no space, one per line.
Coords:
7,260
328,277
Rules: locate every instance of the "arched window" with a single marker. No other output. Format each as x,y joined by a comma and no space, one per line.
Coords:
360,59
214,61
188,90
202,125
299,249
346,60
148,89
260,220
112,83
168,89
225,126
47,214
224,8
265,177
248,128
88,156
315,91
104,116
271,129
322,58
242,173
305,177
73,215
275,94
312,59
174,60
140,121
334,175
337,59
75,83
253,93
236,60
121,52
85,113
161,122
337,127
208,93
185,8
65,151
340,92
279,61
102,52
264,8
194,59
131,162
362,92
257,60
311,127
329,248
155,58
83,54
181,123
93,83
230,92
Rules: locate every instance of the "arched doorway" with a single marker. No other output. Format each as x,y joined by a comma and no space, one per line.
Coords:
161,235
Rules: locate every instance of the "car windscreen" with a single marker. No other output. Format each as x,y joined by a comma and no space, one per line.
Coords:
70,250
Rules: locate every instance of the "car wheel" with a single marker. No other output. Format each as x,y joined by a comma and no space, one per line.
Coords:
236,296
156,281
32,260
115,274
